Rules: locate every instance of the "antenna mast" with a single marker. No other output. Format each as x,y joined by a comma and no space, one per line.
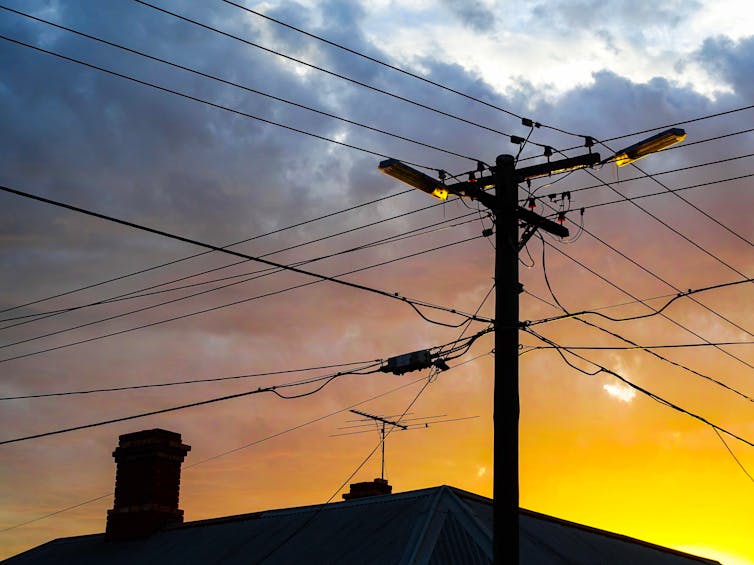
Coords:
382,431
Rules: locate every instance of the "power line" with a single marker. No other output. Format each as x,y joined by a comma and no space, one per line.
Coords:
248,277
383,437
738,462
689,203
224,453
149,291
655,312
412,303
635,347
666,225
185,382
186,258
237,85
674,124
203,101
632,343
319,509
684,122
273,389
624,180
326,71
198,243
674,190
601,369
374,60
468,96
662,280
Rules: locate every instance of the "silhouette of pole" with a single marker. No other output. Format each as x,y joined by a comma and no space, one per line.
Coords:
506,402
508,214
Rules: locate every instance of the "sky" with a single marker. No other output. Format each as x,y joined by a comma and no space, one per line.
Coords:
89,304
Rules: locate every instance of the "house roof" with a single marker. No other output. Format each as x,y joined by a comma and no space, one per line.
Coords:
434,526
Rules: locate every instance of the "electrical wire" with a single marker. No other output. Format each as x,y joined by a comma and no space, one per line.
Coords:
674,190
655,312
326,71
253,275
601,369
184,382
244,278
371,368
273,389
733,455
666,126
237,85
198,243
637,347
683,122
414,304
207,102
667,226
373,59
463,94
630,342
657,277
321,507
247,240
224,453
689,203
624,180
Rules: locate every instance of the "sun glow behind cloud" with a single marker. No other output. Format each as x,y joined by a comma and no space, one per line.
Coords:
622,392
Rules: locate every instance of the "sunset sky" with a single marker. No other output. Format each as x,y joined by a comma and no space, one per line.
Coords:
593,450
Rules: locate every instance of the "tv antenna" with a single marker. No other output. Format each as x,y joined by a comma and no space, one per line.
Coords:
401,424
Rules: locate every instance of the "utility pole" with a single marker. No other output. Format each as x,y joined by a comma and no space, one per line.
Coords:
506,404
509,217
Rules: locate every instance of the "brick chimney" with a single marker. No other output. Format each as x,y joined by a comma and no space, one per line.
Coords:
374,488
147,482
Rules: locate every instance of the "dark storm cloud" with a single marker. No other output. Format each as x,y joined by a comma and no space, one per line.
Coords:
472,13
732,62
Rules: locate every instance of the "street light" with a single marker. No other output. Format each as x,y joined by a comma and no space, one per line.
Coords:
657,142
412,177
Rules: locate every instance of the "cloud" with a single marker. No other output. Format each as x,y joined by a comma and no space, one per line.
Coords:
472,13
621,391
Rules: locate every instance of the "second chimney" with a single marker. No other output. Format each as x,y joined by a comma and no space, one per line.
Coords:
147,484
362,490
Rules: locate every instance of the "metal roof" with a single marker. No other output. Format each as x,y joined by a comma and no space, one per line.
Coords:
435,526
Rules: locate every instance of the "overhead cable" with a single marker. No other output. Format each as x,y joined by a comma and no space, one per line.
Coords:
273,389
688,202
207,102
414,304
240,86
662,280
632,343
224,453
326,71
185,382
202,253
602,369
151,290
630,179
155,231
655,312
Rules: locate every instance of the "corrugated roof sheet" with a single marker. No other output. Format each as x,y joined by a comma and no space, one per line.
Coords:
436,526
